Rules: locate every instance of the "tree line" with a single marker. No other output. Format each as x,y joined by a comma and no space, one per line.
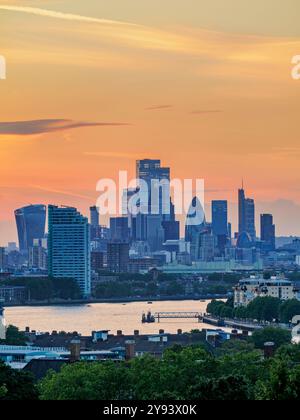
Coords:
235,371
47,288
261,308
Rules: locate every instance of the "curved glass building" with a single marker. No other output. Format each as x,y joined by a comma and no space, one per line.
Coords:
30,222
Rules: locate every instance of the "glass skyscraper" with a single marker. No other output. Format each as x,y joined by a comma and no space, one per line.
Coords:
267,230
30,222
220,223
69,246
246,215
220,217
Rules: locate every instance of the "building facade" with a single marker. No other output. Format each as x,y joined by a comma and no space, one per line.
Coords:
117,257
251,288
69,246
30,222
267,231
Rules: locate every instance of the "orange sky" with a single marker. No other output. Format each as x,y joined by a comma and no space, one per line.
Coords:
204,85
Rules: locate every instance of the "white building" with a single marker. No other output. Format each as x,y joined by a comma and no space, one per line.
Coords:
251,288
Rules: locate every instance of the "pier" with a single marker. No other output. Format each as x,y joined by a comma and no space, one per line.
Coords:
178,315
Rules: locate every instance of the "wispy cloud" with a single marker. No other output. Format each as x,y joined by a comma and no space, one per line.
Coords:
200,112
60,192
65,16
114,155
26,128
158,107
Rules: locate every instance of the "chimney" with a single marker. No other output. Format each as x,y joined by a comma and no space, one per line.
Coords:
269,349
74,350
161,331
179,332
119,333
136,332
129,349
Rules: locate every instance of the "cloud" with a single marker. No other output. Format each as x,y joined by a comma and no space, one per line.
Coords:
200,112
25,128
65,16
60,192
115,155
158,107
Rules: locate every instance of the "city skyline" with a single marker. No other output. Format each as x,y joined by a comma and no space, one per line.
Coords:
211,94
232,215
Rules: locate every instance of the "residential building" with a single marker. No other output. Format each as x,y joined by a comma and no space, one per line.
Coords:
251,288
69,246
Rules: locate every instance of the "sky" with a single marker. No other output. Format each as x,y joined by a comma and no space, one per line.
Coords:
203,85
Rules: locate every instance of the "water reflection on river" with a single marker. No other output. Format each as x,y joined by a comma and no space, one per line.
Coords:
98,316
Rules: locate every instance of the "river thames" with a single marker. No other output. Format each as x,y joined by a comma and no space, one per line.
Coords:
104,316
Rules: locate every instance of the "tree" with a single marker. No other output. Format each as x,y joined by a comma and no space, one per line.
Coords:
14,337
264,308
283,383
16,385
232,388
86,381
278,336
288,310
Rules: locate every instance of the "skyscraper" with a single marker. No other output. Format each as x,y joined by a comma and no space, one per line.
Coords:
220,222
69,246
267,230
246,215
150,171
194,230
94,216
118,257
2,258
30,222
220,217
119,230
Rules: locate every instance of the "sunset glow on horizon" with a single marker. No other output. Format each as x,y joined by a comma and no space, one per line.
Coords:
93,86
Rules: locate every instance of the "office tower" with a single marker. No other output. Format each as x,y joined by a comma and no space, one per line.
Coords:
37,257
246,215
30,222
195,225
220,217
117,257
207,246
149,170
267,230
119,230
69,246
220,223
94,223
139,227
171,230
155,232
94,216
229,230
97,260
2,258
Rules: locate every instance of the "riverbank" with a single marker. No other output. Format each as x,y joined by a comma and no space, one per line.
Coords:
60,302
125,316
